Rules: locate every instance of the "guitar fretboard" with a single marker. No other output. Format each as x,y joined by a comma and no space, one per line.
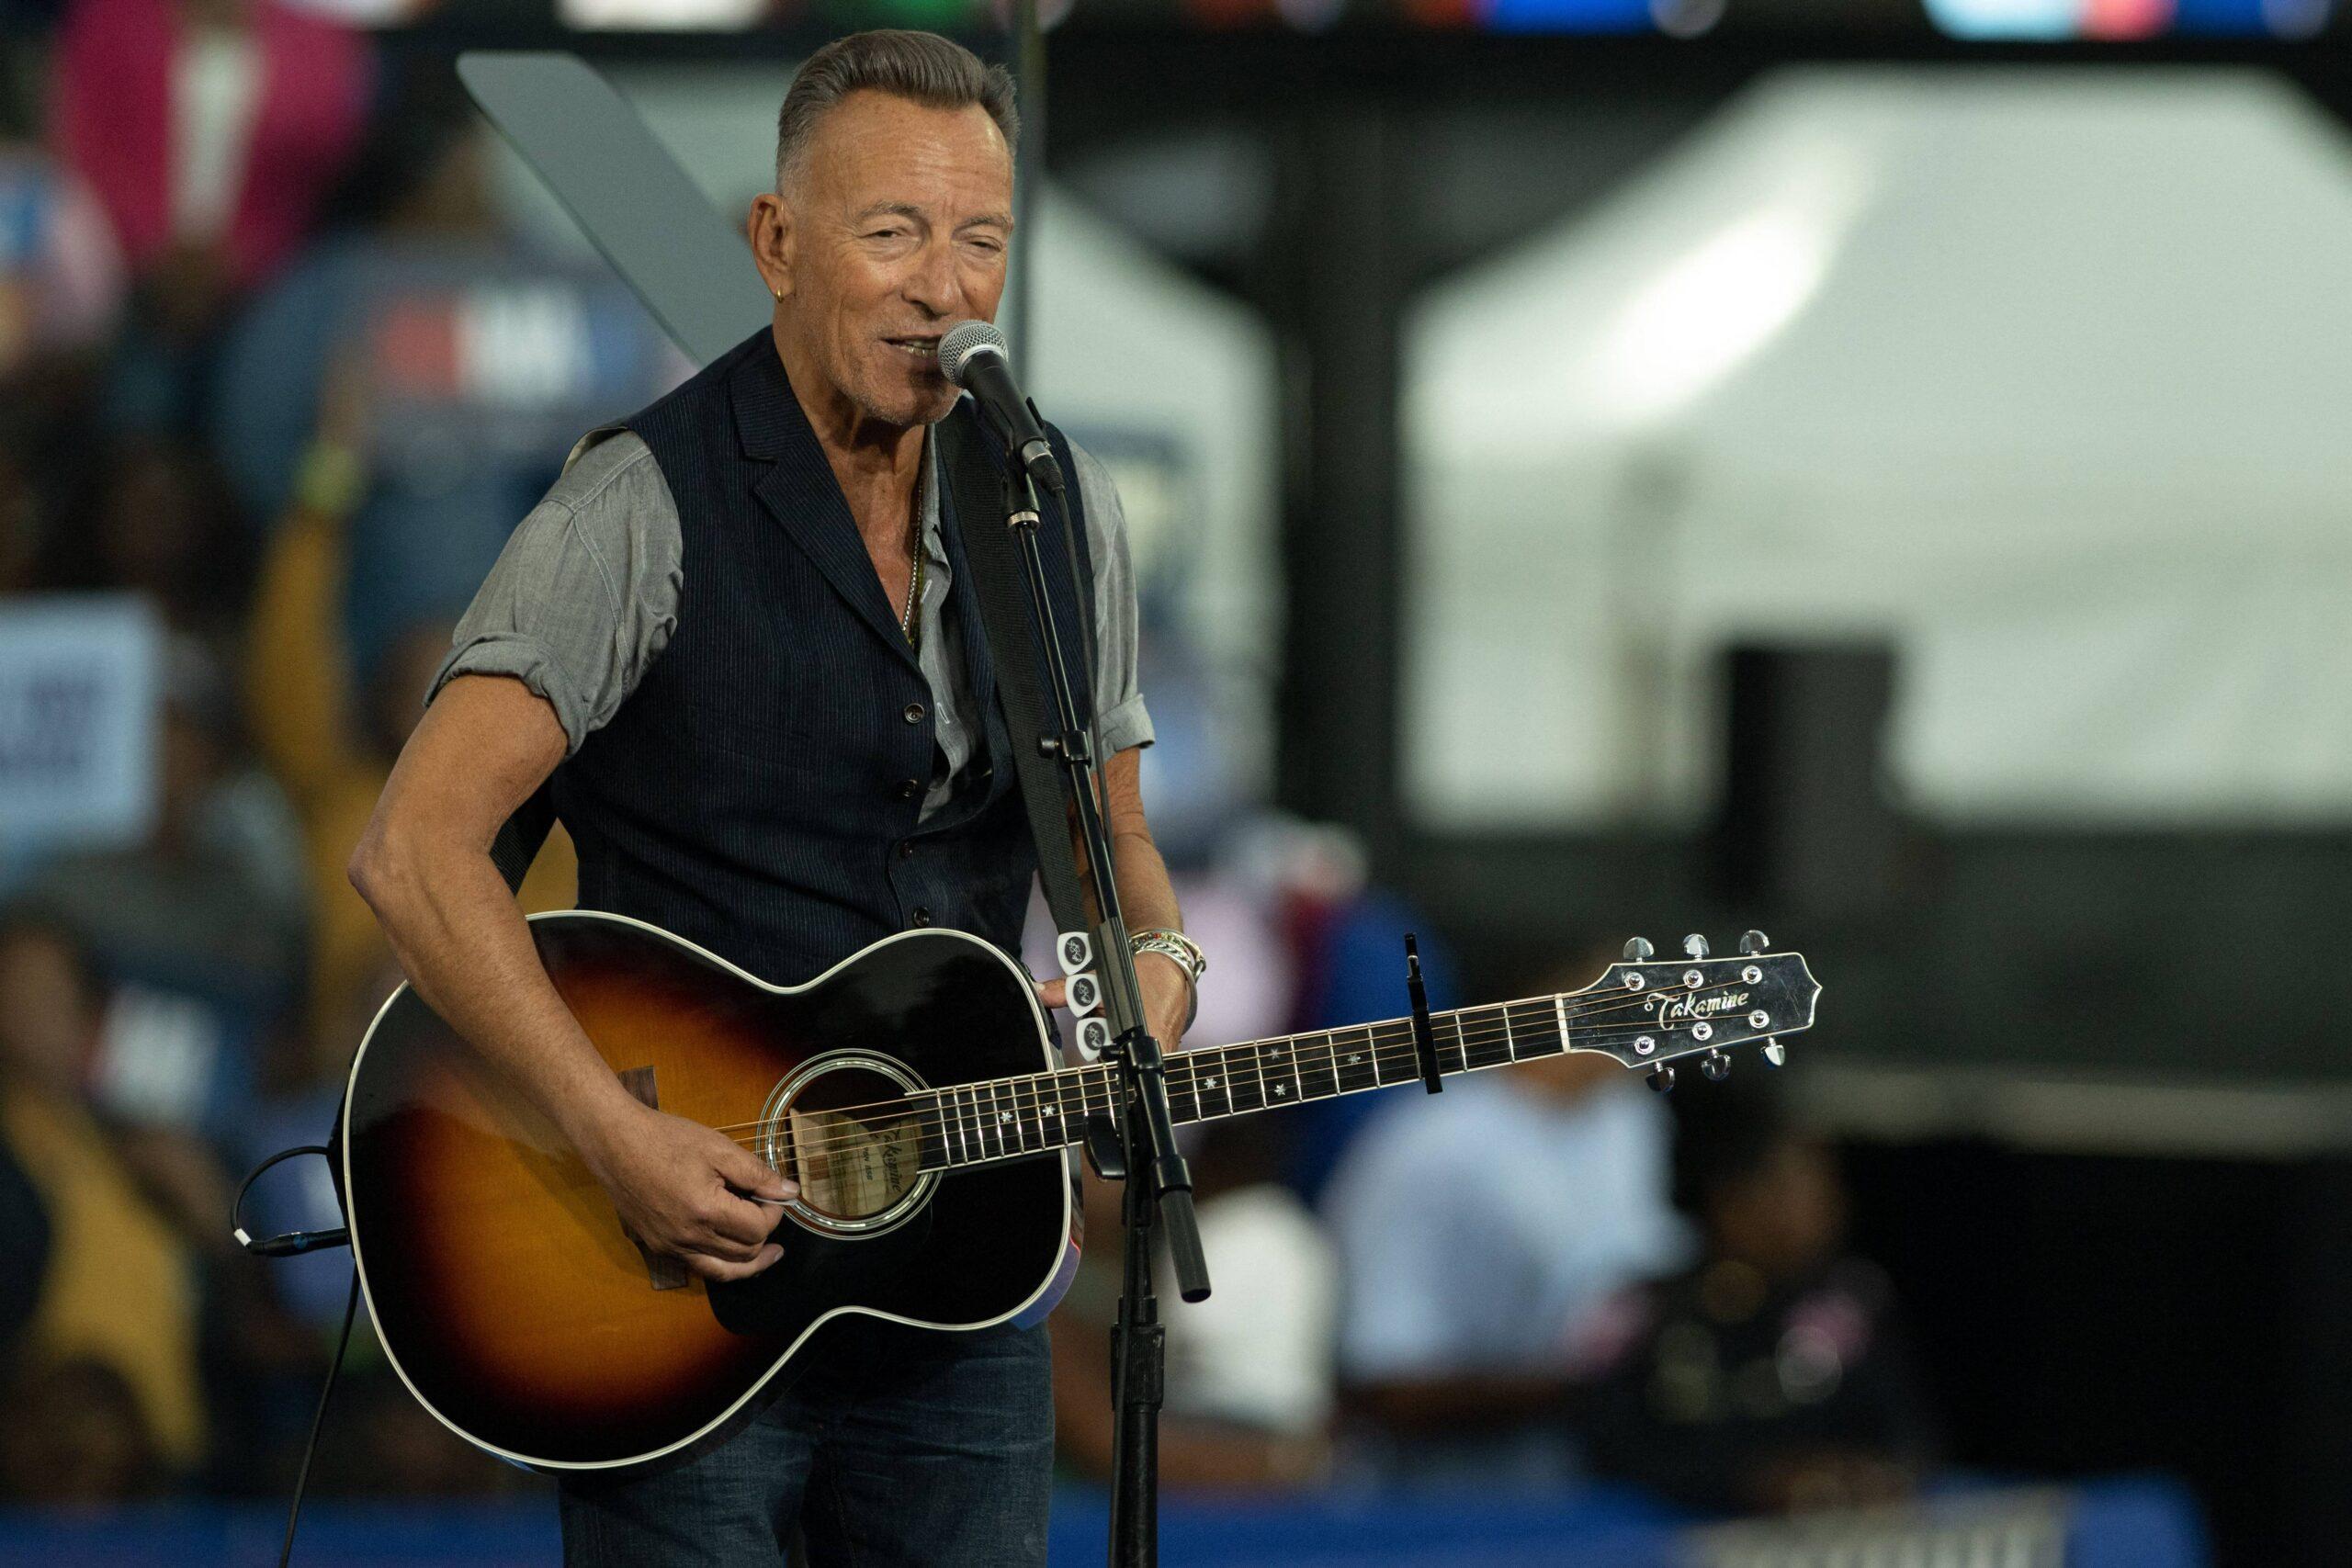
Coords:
1015,1118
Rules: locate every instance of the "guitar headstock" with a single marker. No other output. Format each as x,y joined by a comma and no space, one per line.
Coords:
1648,1011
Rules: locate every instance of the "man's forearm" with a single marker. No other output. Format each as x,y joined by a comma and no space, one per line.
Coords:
464,944
1145,896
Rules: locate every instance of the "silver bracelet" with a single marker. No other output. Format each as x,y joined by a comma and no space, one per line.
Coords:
1187,956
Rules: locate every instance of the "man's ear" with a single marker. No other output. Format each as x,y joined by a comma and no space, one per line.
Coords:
770,229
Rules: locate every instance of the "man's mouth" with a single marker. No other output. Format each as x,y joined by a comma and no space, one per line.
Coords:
921,347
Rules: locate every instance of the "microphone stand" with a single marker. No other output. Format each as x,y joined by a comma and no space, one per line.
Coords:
1144,1139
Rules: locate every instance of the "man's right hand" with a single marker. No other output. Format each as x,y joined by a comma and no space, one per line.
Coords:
680,1189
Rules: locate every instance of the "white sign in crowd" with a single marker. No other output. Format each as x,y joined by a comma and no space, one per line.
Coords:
80,689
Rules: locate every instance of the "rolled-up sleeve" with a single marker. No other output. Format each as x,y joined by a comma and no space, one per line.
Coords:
585,594
1121,719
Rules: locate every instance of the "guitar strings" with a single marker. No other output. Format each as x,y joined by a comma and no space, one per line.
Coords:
969,1121
1616,1001
1389,1046
1397,1030
970,1124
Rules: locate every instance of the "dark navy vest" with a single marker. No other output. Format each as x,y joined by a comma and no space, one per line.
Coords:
758,791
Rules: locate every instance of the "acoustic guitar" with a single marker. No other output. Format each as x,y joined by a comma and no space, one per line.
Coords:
916,1094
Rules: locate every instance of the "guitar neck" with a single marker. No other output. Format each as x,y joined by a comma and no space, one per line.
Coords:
1015,1117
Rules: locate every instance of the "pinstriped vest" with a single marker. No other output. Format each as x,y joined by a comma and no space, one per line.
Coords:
758,792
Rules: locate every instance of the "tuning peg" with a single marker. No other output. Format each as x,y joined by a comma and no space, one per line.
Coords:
1695,945
1754,941
1716,1066
1775,1054
1661,1079
1637,949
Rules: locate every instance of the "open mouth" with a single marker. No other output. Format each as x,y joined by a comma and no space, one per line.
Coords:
923,348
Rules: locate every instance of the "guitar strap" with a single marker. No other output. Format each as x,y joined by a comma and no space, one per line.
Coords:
976,490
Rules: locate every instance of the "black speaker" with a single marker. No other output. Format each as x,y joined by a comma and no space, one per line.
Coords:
1808,822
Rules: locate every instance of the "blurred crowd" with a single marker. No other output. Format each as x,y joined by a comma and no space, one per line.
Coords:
273,367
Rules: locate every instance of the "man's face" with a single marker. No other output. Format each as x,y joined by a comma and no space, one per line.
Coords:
896,228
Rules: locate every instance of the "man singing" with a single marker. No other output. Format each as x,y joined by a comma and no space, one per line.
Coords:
739,638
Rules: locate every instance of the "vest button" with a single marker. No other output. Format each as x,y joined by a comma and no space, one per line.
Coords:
923,914
908,789
914,712
906,848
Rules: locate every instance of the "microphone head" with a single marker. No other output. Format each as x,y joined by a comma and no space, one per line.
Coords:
962,341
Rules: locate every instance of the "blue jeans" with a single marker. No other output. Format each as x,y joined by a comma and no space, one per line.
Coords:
898,1445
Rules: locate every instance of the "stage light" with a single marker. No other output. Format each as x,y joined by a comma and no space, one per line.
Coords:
2254,18
1987,19
1569,15
662,15
2127,19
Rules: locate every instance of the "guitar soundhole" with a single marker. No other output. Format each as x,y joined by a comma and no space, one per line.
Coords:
847,1131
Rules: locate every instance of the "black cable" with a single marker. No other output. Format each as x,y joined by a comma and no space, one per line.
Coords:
318,1419
1080,582
291,1244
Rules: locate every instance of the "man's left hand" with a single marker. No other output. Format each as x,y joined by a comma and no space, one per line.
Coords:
1167,997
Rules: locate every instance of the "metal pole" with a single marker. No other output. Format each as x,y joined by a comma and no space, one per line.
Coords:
1029,170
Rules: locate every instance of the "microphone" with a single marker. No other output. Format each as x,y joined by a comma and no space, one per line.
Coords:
972,354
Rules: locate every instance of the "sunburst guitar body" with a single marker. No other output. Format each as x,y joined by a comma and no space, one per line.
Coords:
522,1314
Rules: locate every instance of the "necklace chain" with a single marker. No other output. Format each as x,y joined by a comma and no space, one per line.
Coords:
914,589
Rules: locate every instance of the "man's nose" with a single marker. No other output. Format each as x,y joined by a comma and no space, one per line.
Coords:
931,282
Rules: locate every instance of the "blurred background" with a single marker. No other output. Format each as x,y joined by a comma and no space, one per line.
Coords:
1869,470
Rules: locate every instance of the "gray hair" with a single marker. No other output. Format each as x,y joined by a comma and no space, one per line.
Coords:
935,72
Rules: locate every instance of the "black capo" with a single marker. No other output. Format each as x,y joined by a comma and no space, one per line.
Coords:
1424,1043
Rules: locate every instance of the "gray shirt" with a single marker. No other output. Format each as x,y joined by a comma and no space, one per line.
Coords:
584,596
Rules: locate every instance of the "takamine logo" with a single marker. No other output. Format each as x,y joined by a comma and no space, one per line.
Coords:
1669,1009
